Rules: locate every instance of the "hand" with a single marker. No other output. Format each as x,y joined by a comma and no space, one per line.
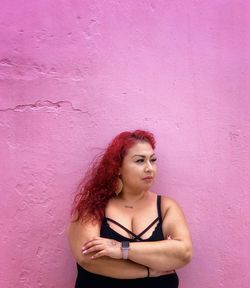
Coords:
103,247
155,273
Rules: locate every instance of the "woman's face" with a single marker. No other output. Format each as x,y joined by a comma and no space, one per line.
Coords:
139,167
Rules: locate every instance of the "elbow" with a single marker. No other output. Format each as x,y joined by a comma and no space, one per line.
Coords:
187,254
84,261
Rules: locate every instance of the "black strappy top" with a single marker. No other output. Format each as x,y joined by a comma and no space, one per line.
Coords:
108,232
87,279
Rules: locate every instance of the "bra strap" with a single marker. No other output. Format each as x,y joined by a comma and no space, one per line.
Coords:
159,207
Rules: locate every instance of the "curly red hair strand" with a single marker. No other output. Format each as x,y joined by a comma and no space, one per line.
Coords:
99,183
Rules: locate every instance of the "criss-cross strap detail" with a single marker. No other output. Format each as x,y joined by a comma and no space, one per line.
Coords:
121,226
138,237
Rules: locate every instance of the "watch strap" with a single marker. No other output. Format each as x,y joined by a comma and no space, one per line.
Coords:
125,249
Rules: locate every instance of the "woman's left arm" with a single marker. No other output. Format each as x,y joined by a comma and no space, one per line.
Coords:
166,254
163,255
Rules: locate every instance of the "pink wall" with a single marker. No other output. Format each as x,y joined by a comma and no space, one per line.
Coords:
75,73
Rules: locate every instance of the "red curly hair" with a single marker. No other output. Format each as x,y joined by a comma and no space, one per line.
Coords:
99,183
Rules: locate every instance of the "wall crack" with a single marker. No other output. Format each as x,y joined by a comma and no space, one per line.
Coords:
47,106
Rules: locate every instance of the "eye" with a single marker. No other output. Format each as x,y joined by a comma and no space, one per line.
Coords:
153,159
139,161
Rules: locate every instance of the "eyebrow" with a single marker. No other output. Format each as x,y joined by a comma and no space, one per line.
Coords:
143,156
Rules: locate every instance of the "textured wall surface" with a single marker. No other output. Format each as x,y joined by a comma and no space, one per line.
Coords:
75,73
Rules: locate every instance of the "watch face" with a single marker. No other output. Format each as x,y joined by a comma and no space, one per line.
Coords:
125,244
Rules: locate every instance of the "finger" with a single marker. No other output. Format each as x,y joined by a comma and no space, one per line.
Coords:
93,249
93,239
98,254
91,244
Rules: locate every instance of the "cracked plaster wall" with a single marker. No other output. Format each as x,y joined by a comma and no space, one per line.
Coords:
75,73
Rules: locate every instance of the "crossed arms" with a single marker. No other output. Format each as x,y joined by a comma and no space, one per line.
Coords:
103,256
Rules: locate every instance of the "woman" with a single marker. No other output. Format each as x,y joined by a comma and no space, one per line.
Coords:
121,232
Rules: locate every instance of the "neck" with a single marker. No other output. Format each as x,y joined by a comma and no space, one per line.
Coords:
130,199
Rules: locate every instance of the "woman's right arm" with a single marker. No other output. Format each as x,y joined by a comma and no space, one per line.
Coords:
80,232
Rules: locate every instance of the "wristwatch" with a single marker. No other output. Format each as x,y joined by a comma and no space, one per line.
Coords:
125,248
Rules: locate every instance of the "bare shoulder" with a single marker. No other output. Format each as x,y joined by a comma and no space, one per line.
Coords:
168,203
174,222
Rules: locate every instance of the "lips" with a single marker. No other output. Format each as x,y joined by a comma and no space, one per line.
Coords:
148,178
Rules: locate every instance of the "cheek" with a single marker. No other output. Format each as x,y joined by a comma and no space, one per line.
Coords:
131,172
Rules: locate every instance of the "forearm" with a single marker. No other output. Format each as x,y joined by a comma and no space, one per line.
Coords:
162,255
115,268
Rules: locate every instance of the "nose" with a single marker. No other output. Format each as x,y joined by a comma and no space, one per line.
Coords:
148,166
